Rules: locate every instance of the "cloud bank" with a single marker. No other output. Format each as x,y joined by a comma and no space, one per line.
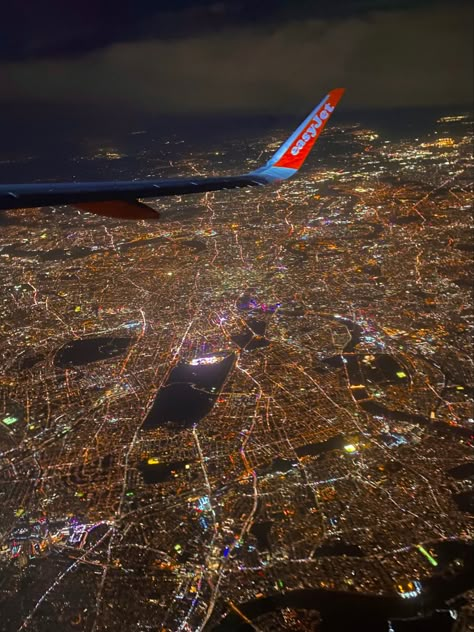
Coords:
385,59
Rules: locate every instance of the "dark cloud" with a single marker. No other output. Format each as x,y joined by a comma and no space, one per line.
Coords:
416,56
33,28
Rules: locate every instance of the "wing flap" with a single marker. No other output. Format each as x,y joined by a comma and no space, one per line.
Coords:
122,209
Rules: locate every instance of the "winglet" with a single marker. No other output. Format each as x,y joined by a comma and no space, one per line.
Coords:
292,154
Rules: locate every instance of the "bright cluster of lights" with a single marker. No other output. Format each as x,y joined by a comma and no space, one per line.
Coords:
415,590
206,360
350,448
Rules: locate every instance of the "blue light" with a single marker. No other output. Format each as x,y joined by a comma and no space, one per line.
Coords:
133,325
204,504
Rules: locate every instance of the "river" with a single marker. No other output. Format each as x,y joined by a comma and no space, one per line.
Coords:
358,611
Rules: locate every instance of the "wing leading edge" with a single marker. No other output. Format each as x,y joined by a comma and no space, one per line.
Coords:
122,199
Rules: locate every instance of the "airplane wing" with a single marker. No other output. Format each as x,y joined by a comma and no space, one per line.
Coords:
123,199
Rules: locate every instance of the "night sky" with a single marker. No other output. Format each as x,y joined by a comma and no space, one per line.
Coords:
247,56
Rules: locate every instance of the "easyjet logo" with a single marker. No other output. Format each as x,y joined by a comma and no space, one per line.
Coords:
313,129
